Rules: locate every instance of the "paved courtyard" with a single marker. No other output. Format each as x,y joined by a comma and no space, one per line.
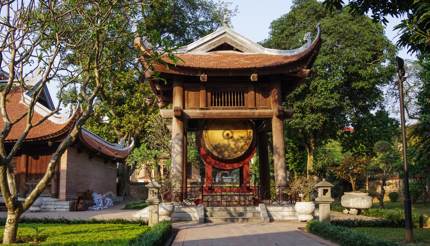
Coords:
245,234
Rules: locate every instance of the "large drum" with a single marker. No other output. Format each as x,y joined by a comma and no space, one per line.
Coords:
228,140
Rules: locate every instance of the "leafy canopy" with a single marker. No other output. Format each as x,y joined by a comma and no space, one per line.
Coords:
354,61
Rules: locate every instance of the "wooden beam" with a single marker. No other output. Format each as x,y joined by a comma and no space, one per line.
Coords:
221,113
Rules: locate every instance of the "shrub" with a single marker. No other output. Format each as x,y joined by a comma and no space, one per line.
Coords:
136,205
157,236
394,196
366,223
395,215
344,235
416,189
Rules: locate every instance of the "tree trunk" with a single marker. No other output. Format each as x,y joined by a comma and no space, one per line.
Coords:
310,148
10,228
353,184
382,195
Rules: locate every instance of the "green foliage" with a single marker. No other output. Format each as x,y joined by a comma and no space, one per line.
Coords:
83,234
136,205
421,131
157,236
377,9
417,190
421,236
328,156
369,128
384,165
354,61
183,21
394,196
352,168
343,235
414,30
302,187
395,215
154,144
367,223
71,222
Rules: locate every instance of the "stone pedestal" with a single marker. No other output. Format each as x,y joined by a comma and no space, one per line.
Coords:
324,211
154,216
153,201
324,200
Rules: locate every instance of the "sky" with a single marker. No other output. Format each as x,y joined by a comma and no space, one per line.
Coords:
254,17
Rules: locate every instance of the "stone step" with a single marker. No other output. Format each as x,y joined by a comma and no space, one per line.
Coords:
59,203
232,219
53,204
222,214
231,209
180,209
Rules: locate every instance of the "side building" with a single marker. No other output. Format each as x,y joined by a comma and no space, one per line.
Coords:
90,164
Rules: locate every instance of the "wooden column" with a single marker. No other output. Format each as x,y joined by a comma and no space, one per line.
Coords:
278,138
185,166
178,138
264,169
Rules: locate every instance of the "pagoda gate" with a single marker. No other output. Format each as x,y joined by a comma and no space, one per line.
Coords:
230,91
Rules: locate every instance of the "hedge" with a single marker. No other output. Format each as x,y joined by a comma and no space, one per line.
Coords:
368,223
344,235
157,236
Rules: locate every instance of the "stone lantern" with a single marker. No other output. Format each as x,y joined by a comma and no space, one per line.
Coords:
324,199
153,202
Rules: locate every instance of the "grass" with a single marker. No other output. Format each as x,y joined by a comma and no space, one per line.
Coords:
136,205
419,208
422,236
81,234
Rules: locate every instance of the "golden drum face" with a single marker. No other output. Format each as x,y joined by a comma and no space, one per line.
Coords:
228,139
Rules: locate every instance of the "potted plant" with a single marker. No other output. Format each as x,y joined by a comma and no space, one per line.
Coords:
302,188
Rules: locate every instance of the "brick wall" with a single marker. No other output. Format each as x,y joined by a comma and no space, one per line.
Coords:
79,172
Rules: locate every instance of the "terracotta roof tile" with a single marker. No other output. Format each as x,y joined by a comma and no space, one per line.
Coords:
49,130
98,144
16,108
230,60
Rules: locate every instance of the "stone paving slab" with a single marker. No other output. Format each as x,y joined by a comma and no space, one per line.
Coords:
245,234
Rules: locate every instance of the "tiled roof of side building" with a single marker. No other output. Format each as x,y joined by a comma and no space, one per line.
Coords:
16,108
54,128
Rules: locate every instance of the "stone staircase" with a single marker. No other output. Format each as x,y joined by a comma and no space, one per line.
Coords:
48,204
232,214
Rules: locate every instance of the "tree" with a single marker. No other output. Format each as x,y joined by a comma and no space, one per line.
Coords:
367,130
352,168
128,107
66,41
355,59
384,165
180,22
327,157
420,145
414,29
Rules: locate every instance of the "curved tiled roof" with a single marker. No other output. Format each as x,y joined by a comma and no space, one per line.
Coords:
257,57
54,129
98,144
16,108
